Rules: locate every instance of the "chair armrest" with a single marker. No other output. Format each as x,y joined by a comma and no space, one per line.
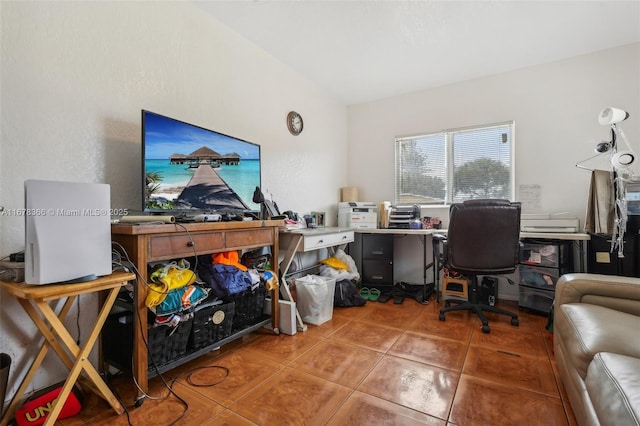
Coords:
611,291
439,237
439,242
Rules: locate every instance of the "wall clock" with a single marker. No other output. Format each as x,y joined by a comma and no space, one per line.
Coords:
294,123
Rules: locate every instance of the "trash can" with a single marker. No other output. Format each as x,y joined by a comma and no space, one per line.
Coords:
315,298
5,364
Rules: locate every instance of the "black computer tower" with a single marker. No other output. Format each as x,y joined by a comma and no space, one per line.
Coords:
488,289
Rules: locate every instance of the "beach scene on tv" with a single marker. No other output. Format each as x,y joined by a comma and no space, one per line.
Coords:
191,168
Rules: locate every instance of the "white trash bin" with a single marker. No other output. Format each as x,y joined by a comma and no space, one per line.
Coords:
314,295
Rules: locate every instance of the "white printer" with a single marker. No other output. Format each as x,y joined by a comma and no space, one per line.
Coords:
357,214
545,222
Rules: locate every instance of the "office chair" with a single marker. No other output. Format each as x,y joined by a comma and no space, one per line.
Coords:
483,238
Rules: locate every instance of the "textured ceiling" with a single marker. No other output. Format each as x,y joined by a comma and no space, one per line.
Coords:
367,50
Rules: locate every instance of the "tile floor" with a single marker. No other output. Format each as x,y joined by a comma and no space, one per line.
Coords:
380,364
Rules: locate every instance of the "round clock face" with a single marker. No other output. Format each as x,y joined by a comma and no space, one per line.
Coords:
294,123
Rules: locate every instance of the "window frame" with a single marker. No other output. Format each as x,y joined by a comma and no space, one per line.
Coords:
448,154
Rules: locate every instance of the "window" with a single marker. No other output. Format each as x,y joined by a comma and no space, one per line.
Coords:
455,165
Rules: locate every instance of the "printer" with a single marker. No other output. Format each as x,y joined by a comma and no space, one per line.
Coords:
357,214
545,222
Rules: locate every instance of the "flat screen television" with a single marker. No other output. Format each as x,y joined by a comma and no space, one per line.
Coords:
188,170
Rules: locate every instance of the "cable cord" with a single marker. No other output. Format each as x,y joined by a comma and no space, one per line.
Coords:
145,395
137,272
117,395
189,379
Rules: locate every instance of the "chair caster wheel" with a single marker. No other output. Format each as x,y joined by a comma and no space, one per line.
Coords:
515,322
486,329
441,317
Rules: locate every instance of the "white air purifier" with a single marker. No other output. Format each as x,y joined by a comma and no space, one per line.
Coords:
68,231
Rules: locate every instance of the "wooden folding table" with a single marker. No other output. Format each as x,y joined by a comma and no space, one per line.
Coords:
37,301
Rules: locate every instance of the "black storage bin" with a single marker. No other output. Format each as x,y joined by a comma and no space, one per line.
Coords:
537,300
211,323
550,254
539,277
542,263
248,307
164,343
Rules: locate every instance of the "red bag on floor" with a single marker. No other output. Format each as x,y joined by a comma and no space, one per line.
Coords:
35,411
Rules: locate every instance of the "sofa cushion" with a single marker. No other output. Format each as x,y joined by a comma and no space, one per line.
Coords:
589,329
613,384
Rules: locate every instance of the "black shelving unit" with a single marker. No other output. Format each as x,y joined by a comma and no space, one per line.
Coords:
117,341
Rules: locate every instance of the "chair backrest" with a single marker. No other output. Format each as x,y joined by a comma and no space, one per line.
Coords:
484,236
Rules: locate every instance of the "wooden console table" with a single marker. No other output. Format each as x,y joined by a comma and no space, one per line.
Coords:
36,299
154,242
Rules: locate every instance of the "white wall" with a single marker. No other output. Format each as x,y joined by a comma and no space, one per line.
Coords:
555,109
74,78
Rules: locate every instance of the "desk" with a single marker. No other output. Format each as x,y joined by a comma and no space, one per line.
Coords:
422,234
427,233
150,243
36,299
293,241
558,236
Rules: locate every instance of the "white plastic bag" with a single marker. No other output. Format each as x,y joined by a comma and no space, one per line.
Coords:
339,274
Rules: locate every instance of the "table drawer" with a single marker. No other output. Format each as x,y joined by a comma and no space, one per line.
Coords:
376,246
536,276
314,242
536,299
553,255
173,246
252,238
377,273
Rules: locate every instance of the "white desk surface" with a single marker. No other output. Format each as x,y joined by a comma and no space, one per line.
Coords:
322,230
399,231
578,236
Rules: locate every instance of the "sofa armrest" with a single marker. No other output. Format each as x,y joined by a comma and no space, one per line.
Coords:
611,291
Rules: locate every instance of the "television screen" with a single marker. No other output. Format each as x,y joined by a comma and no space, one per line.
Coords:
187,168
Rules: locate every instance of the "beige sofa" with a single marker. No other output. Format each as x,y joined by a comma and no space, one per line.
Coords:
596,331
